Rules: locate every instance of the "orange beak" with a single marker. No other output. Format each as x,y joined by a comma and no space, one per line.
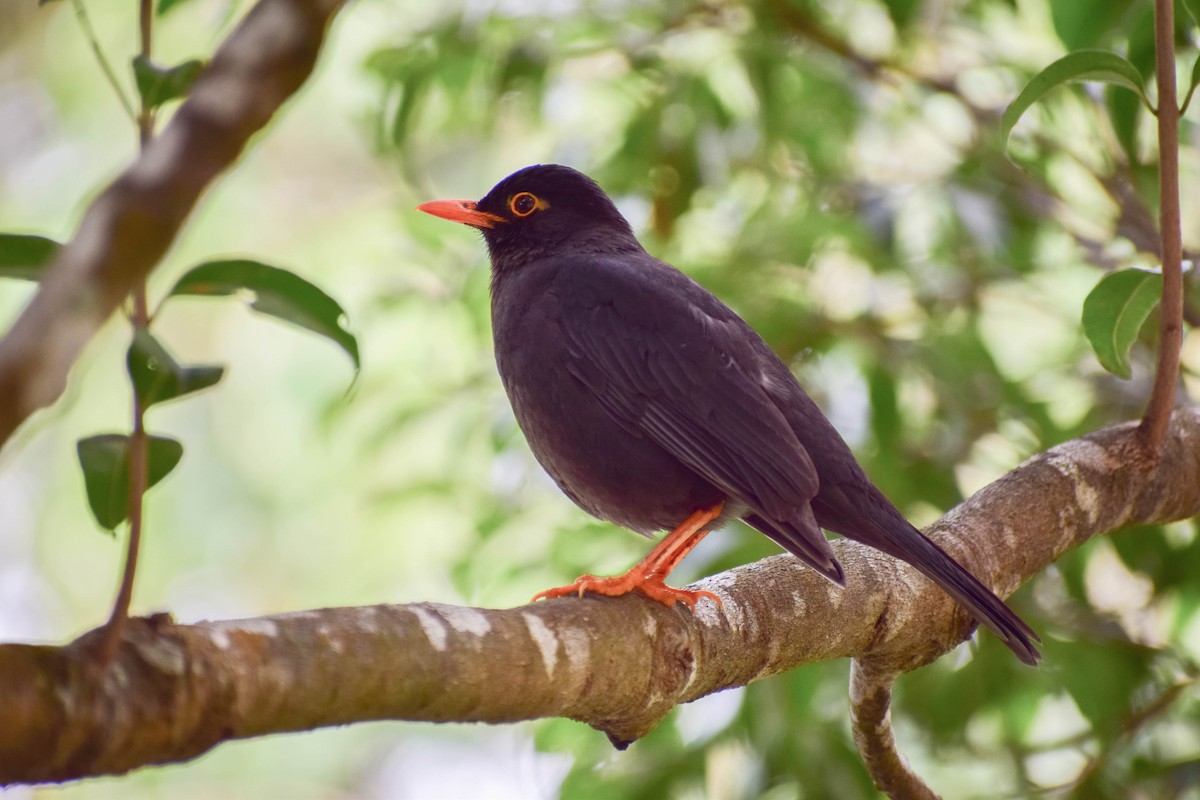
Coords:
464,211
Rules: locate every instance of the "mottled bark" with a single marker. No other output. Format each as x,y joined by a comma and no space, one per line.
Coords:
871,718
619,665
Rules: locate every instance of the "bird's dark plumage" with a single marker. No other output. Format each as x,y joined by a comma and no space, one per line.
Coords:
647,399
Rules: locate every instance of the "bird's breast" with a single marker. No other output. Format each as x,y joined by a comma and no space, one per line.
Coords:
609,468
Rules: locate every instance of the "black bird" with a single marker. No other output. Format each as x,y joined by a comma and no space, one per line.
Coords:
650,402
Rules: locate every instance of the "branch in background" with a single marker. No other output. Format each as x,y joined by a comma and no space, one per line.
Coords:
1134,220
129,227
1131,727
618,664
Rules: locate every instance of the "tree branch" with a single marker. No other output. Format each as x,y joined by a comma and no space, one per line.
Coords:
129,227
870,712
1134,221
618,664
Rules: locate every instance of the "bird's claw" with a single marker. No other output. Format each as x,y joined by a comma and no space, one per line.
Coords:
650,586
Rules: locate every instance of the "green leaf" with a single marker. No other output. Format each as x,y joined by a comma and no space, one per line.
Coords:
157,377
24,256
277,292
903,12
1125,114
166,5
1086,24
1114,312
158,85
1077,67
407,70
105,463
1103,691
1193,9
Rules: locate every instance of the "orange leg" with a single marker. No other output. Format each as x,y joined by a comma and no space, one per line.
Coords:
648,575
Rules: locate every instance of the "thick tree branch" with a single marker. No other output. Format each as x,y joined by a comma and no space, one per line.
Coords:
129,227
174,691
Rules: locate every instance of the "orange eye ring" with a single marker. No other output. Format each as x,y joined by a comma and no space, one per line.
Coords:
523,204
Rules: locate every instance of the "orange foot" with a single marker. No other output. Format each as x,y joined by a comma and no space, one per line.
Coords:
651,586
647,576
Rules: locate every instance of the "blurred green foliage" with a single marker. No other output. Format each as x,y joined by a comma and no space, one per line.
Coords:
833,171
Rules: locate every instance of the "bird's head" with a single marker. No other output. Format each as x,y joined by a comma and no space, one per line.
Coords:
539,212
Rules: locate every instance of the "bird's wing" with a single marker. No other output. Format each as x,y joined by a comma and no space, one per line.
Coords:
667,359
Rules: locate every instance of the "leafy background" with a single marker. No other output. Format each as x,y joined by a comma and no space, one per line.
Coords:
833,170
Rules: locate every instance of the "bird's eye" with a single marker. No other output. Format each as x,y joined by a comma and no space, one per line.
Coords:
524,204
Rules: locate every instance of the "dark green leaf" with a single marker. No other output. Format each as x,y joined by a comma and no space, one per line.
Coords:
1139,40
903,12
1103,692
1193,9
1167,562
166,5
157,377
1114,312
277,292
405,109
158,85
1077,67
105,463
1125,114
524,64
402,64
1087,24
23,255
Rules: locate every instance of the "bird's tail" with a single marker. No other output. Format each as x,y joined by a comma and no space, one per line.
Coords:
934,563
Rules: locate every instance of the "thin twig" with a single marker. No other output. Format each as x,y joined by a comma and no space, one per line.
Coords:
139,454
1166,375
145,117
89,33
1187,99
118,619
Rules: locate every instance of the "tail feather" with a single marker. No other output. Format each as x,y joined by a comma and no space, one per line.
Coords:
867,516
805,541
933,562
914,548
848,503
